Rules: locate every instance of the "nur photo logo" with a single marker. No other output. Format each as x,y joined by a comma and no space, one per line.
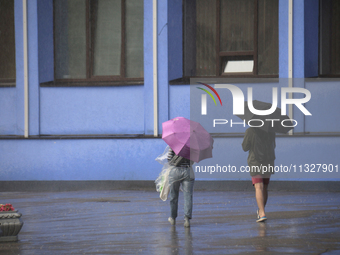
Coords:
247,106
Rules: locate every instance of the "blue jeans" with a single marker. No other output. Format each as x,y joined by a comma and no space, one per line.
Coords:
177,176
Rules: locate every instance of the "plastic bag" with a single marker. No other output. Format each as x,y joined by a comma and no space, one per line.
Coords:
162,181
163,158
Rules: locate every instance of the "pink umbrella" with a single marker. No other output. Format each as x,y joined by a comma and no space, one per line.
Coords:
188,139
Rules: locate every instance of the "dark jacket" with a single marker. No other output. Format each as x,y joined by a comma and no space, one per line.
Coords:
267,156
175,160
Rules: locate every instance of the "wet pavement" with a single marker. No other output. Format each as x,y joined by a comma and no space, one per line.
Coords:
135,222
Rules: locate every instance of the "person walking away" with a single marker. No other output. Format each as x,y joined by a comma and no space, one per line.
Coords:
261,146
181,173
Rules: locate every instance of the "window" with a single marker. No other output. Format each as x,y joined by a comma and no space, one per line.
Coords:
230,38
329,49
7,42
98,40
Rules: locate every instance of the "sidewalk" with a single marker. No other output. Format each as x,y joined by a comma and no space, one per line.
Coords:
135,222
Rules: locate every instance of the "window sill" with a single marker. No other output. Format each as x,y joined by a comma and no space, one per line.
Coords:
91,84
322,78
329,75
294,135
68,137
142,136
231,78
7,83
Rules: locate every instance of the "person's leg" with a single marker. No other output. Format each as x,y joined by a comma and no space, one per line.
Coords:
265,193
174,182
174,192
265,190
260,199
188,189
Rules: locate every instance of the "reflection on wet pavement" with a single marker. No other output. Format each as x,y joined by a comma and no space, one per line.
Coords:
135,222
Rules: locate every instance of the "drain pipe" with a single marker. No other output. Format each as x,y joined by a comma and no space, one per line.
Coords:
25,41
155,74
290,58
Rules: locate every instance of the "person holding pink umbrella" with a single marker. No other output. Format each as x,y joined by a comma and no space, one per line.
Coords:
181,174
189,142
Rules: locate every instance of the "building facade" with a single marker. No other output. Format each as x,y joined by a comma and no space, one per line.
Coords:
79,104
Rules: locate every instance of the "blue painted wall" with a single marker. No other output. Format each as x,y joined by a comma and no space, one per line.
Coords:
33,67
77,159
129,109
179,103
148,67
134,159
102,110
162,63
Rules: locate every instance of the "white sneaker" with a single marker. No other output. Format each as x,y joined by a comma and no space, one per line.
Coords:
186,222
172,221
